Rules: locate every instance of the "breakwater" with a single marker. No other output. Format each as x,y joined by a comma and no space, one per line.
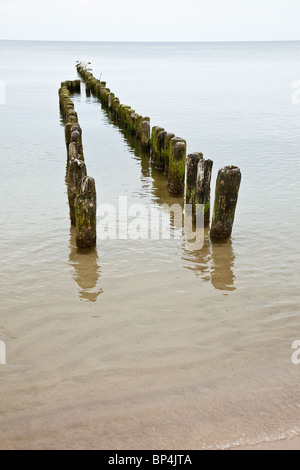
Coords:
81,188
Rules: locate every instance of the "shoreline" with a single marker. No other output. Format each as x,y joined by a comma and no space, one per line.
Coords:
282,444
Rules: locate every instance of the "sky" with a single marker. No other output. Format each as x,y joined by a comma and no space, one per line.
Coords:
151,20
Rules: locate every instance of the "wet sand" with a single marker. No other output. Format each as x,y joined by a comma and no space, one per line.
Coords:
285,444
152,376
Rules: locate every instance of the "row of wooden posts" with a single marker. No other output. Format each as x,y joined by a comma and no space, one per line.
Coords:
81,188
189,174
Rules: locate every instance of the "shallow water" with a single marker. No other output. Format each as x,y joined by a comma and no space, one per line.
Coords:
146,344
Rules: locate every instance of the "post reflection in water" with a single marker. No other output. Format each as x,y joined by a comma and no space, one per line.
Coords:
86,270
199,261
214,263
222,270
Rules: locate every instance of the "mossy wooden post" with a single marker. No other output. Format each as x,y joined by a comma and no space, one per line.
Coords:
69,128
76,86
166,151
123,109
76,171
160,145
128,119
72,152
110,101
145,134
98,90
71,116
88,88
154,144
76,127
106,93
76,137
192,162
116,106
93,85
85,214
177,160
138,125
204,171
227,190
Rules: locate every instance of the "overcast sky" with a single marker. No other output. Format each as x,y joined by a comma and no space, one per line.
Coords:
150,20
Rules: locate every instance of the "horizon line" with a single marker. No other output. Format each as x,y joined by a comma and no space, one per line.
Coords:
154,41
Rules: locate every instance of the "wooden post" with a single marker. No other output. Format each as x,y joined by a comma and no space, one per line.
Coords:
87,89
76,137
160,147
145,133
154,142
177,160
110,101
128,119
85,213
166,151
72,152
204,171
116,106
227,189
192,162
76,171
69,128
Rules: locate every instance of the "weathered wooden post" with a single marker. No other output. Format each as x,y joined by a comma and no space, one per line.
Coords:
227,189
72,152
160,146
123,109
204,171
76,137
76,86
105,95
128,118
198,179
87,89
145,133
140,125
177,160
76,171
166,151
136,120
71,116
116,106
85,213
192,162
110,100
154,142
69,128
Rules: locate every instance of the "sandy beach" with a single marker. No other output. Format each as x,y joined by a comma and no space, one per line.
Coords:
285,444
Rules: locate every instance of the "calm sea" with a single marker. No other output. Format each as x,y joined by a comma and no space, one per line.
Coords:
145,344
